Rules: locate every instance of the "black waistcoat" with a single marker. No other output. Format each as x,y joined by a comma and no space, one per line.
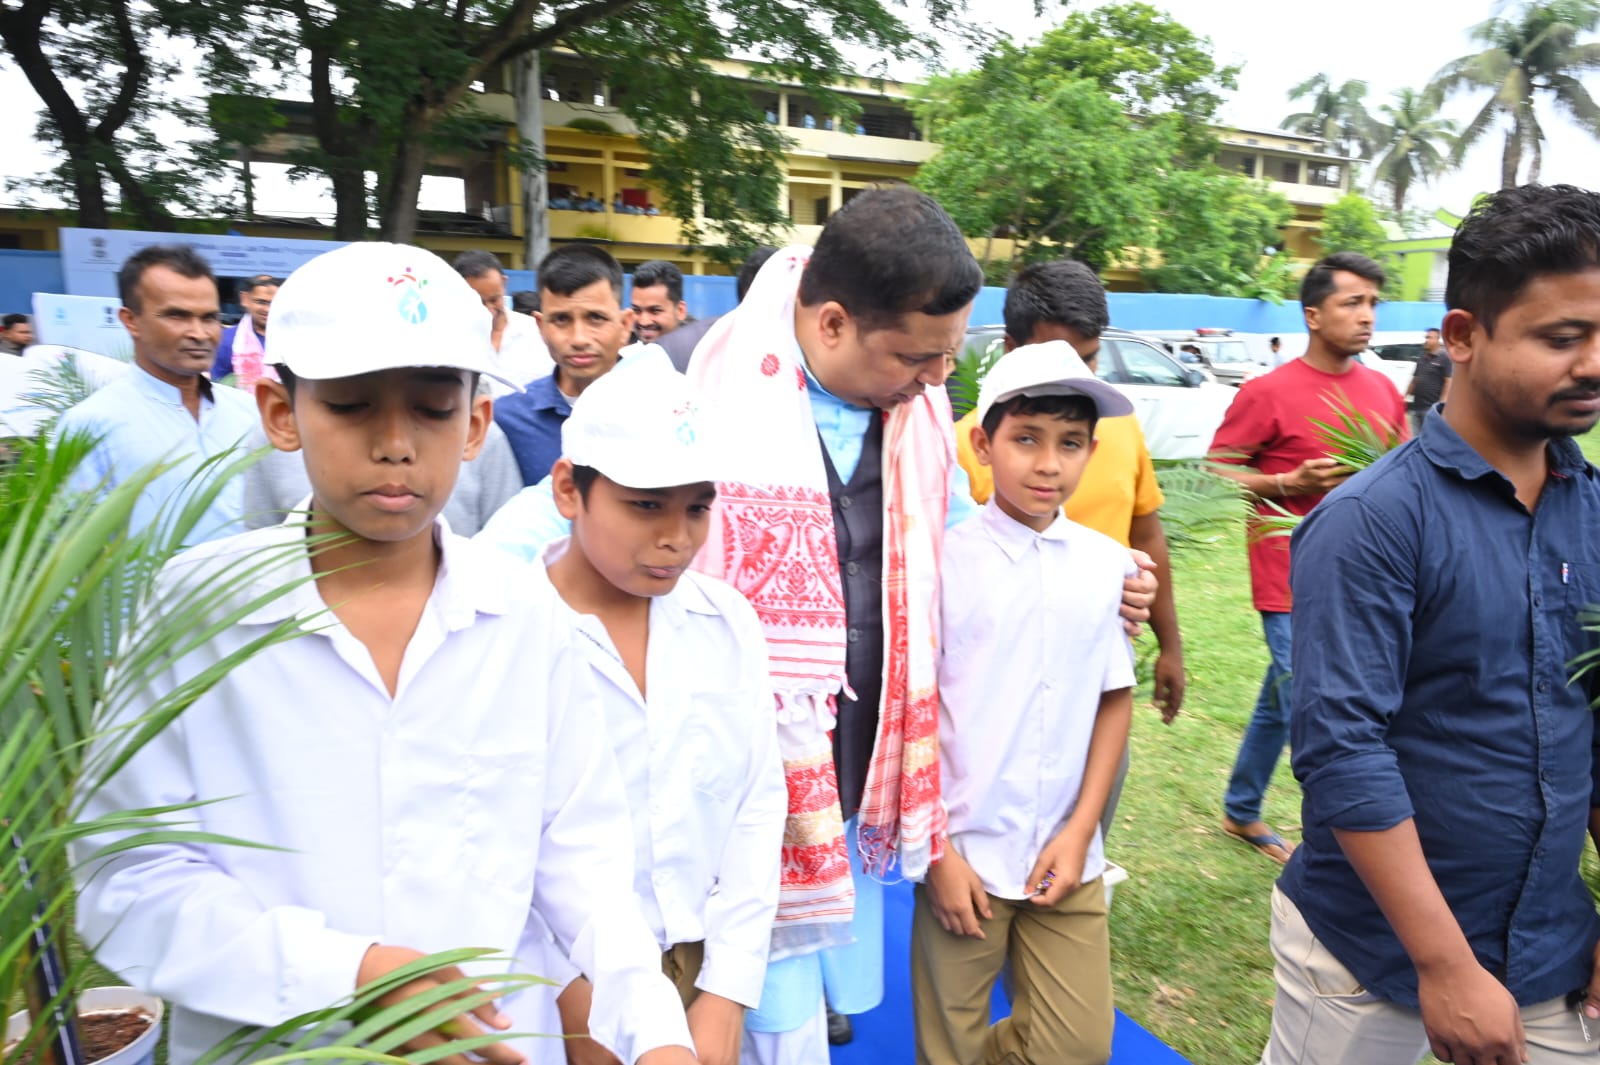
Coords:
858,528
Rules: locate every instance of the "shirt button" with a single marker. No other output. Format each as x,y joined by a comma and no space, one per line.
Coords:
853,635
844,502
1544,686
1538,600
852,568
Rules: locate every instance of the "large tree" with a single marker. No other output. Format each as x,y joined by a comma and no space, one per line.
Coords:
1065,170
1335,113
101,67
1155,68
1216,233
1535,53
391,86
1353,223
1414,144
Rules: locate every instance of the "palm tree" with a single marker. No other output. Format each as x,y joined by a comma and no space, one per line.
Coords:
1532,53
1337,114
1414,143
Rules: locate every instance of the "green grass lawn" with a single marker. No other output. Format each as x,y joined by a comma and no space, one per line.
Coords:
1189,929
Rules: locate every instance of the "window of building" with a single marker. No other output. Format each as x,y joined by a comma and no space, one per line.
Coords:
1327,175
1238,162
1289,170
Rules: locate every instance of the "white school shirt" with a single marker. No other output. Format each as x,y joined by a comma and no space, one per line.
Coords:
523,354
140,420
436,819
1032,638
699,761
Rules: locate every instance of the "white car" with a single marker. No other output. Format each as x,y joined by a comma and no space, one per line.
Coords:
1179,409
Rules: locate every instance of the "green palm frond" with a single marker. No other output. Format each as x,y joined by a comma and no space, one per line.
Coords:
1199,506
972,365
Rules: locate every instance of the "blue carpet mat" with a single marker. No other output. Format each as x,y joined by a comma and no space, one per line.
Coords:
884,1035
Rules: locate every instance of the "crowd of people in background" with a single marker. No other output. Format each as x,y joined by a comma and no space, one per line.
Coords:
732,616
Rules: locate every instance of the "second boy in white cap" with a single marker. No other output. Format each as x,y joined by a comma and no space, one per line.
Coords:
428,767
682,667
1035,699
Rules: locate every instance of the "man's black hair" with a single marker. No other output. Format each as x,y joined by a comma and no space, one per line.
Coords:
583,478
1318,284
525,301
1511,237
474,263
14,319
752,266
287,377
659,272
1068,408
1275,340
259,281
1062,292
181,259
887,253
1430,329
574,266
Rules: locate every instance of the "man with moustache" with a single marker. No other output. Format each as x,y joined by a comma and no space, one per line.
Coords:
165,410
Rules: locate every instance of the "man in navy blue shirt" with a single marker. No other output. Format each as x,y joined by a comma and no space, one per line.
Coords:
585,326
1447,756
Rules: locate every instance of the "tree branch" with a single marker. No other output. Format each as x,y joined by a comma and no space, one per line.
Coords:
132,84
574,19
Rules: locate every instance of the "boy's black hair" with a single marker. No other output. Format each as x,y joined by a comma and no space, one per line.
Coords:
1070,408
1511,237
574,266
289,380
1318,284
887,253
1064,292
525,301
14,319
181,259
583,478
659,272
752,266
474,263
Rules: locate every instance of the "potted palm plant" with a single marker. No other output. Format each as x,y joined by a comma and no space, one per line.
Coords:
72,575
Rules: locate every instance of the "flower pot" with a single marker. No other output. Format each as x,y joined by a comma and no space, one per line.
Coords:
105,1000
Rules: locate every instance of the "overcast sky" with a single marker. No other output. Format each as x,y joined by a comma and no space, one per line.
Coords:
1388,43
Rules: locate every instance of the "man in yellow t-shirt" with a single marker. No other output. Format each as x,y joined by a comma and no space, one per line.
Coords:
1118,495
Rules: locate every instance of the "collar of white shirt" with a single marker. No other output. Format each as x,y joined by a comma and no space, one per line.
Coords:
1014,537
469,581
161,392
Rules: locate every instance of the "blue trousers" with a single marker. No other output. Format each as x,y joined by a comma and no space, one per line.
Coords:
1269,728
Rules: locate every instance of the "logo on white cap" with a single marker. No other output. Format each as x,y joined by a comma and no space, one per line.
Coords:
413,308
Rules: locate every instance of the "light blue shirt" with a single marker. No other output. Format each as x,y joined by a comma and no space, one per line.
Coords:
139,421
530,521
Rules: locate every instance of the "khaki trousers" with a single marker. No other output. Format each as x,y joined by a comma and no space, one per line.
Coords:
1322,1015
1061,1012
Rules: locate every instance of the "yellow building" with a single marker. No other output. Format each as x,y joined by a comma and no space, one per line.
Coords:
598,191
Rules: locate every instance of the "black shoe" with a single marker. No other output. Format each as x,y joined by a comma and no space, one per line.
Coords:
840,1031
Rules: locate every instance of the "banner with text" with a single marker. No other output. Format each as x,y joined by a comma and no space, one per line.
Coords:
90,258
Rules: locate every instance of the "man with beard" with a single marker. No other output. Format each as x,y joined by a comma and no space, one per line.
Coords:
1443,740
1270,442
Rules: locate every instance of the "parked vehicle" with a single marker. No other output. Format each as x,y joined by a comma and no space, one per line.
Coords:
1220,353
1179,408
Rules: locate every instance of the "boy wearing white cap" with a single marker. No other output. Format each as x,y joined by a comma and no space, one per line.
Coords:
681,662
429,762
1035,701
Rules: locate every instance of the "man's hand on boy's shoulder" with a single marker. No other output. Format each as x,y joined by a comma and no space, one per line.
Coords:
717,1026
380,960
1138,592
957,895
1059,867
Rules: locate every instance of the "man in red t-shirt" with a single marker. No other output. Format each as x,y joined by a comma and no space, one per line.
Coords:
1267,443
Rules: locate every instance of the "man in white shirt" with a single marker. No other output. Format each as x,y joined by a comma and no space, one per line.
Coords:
1035,699
165,410
681,661
523,354
429,764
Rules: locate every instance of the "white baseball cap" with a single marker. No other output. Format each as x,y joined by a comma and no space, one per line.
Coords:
372,306
1049,369
644,427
